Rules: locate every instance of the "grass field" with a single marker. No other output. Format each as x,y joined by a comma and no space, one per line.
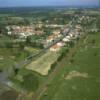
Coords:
79,78
43,64
20,81
14,55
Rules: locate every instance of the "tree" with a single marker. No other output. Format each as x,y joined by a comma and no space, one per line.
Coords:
3,30
26,22
8,45
93,41
21,45
63,51
72,60
28,40
71,44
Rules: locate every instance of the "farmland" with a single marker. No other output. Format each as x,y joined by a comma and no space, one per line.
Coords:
79,78
43,64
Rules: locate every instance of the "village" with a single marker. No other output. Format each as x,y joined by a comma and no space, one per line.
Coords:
22,32
41,49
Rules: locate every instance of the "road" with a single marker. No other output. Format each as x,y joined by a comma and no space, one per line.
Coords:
28,60
33,57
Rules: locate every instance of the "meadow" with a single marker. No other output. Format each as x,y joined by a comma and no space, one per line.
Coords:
79,78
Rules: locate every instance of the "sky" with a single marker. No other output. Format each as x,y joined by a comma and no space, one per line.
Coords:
13,3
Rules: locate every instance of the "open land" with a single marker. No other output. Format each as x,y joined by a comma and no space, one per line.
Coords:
67,69
43,64
80,79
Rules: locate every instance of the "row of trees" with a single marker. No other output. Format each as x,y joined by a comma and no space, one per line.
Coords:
62,52
33,43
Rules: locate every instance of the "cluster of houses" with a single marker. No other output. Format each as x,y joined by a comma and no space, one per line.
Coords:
23,31
54,26
53,37
69,37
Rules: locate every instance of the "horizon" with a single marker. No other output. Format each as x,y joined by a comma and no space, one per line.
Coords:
59,6
46,3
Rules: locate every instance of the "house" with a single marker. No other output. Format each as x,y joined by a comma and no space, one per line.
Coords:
56,32
39,24
22,35
59,35
21,31
78,28
8,28
55,48
65,31
54,26
61,44
68,37
66,40
39,32
9,32
71,35
51,38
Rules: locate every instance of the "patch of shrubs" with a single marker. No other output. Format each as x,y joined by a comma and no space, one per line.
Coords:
62,54
53,66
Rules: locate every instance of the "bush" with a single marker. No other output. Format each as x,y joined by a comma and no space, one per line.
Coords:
71,44
0,70
63,51
72,60
53,67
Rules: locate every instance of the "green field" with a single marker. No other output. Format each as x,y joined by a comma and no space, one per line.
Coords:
79,78
43,64
26,80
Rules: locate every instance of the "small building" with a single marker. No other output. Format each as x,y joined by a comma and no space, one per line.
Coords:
55,48
66,40
71,35
9,33
61,44
56,32
51,38
68,37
